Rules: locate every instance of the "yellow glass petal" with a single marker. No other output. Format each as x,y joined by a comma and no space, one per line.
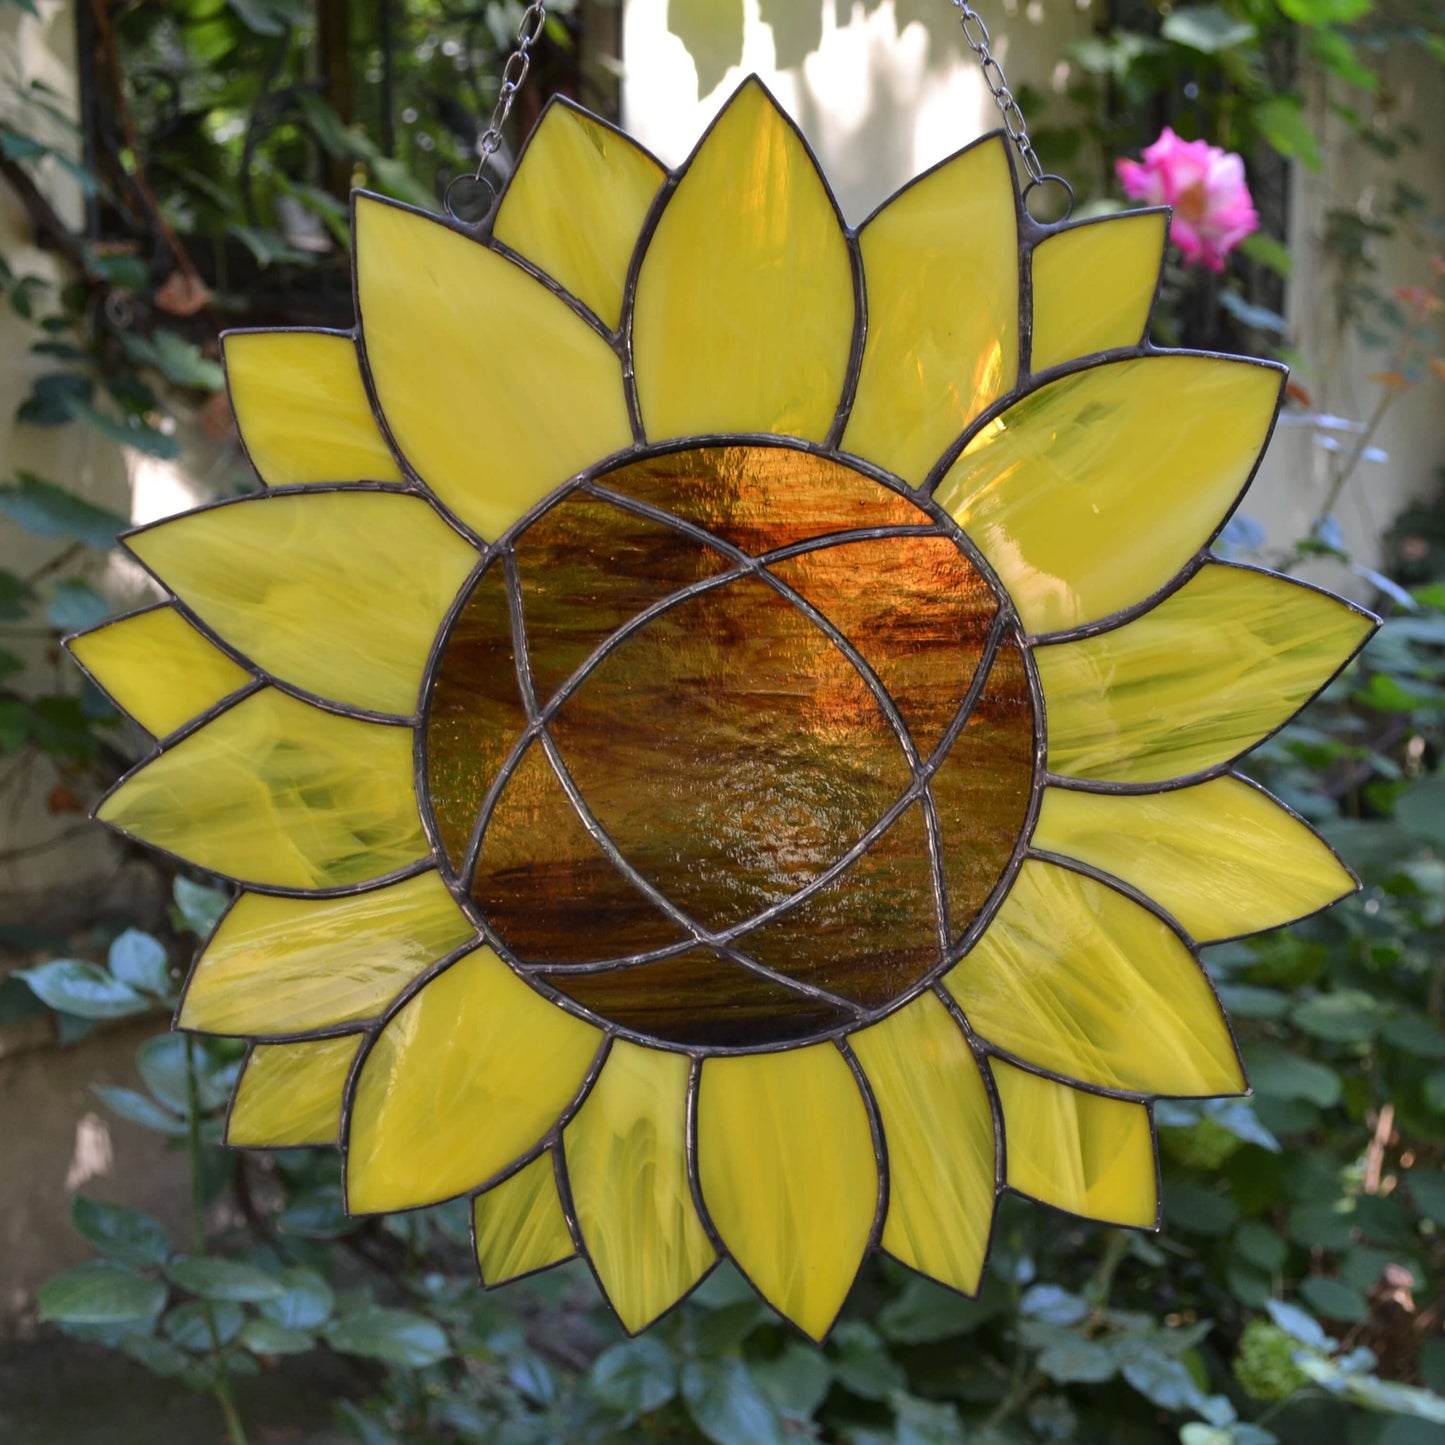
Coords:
494,389
576,203
942,266
520,1226
1195,681
788,1175
1223,858
1079,1152
744,312
339,593
302,408
1091,493
464,1080
1094,285
290,1094
626,1153
296,965
1074,977
158,668
938,1131
280,794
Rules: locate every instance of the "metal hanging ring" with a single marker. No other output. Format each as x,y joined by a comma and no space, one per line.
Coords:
478,184
1047,179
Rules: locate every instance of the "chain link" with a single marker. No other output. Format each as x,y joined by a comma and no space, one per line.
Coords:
514,77
975,33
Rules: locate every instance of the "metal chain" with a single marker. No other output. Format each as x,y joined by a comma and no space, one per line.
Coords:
976,36
514,77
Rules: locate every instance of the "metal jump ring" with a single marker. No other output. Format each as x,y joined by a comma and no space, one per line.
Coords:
1044,180
474,180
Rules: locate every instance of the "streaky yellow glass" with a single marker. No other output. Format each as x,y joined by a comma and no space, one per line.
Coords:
626,1153
1195,681
290,1094
158,668
277,793
788,1176
295,965
489,425
744,313
1223,858
1074,977
302,409
1094,284
464,1080
938,1132
520,1226
941,263
1090,494
1079,1152
575,204
340,593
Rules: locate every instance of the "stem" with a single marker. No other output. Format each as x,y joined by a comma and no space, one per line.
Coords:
1103,1281
222,1380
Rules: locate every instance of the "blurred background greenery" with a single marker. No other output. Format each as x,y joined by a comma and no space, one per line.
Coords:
171,169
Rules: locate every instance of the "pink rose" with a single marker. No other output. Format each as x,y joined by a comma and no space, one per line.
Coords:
1213,211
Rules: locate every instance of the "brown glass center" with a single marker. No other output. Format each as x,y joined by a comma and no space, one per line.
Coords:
761,761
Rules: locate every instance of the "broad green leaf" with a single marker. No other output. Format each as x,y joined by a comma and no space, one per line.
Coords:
925,1312
177,360
1282,122
397,1337
634,1377
1333,1299
125,1234
797,1381
1070,1359
1325,12
75,606
200,906
727,1405
1209,28
266,1337
1346,1016
139,1109
861,1364
200,1324
1163,1380
1054,1305
139,961
225,1279
1427,1189
305,1303
1281,1075
73,986
1261,1246
101,1293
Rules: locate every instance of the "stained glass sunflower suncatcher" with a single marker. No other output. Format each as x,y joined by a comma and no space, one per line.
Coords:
723,723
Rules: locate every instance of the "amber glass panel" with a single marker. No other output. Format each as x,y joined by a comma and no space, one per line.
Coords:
475,712
1079,1152
982,788
938,1130
1091,493
158,668
745,310
462,1082
627,1169
904,602
1094,284
280,794
587,568
1201,678
575,204
942,267
290,1094
1222,858
292,965
871,934
302,408
786,1163
760,497
340,593
520,1226
1077,978
700,999
439,315
546,885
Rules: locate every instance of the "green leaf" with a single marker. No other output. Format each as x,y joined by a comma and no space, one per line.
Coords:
123,269
1415,1034
45,510
1277,1074
1268,252
1248,1001
139,961
925,1312
160,1357
1421,809
200,906
1054,1305
306,1300
1281,121
1347,1016
1208,28
634,1377
73,986
1198,1210
921,1422
162,1062
176,359
224,1279
397,1337
1334,1299
124,1234
726,1404
1163,1380
190,1325
1325,12
1297,1324
1070,1359
1427,1189
138,1109
75,606
101,1293
268,247
266,1337
797,1381
861,1365
1261,1246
